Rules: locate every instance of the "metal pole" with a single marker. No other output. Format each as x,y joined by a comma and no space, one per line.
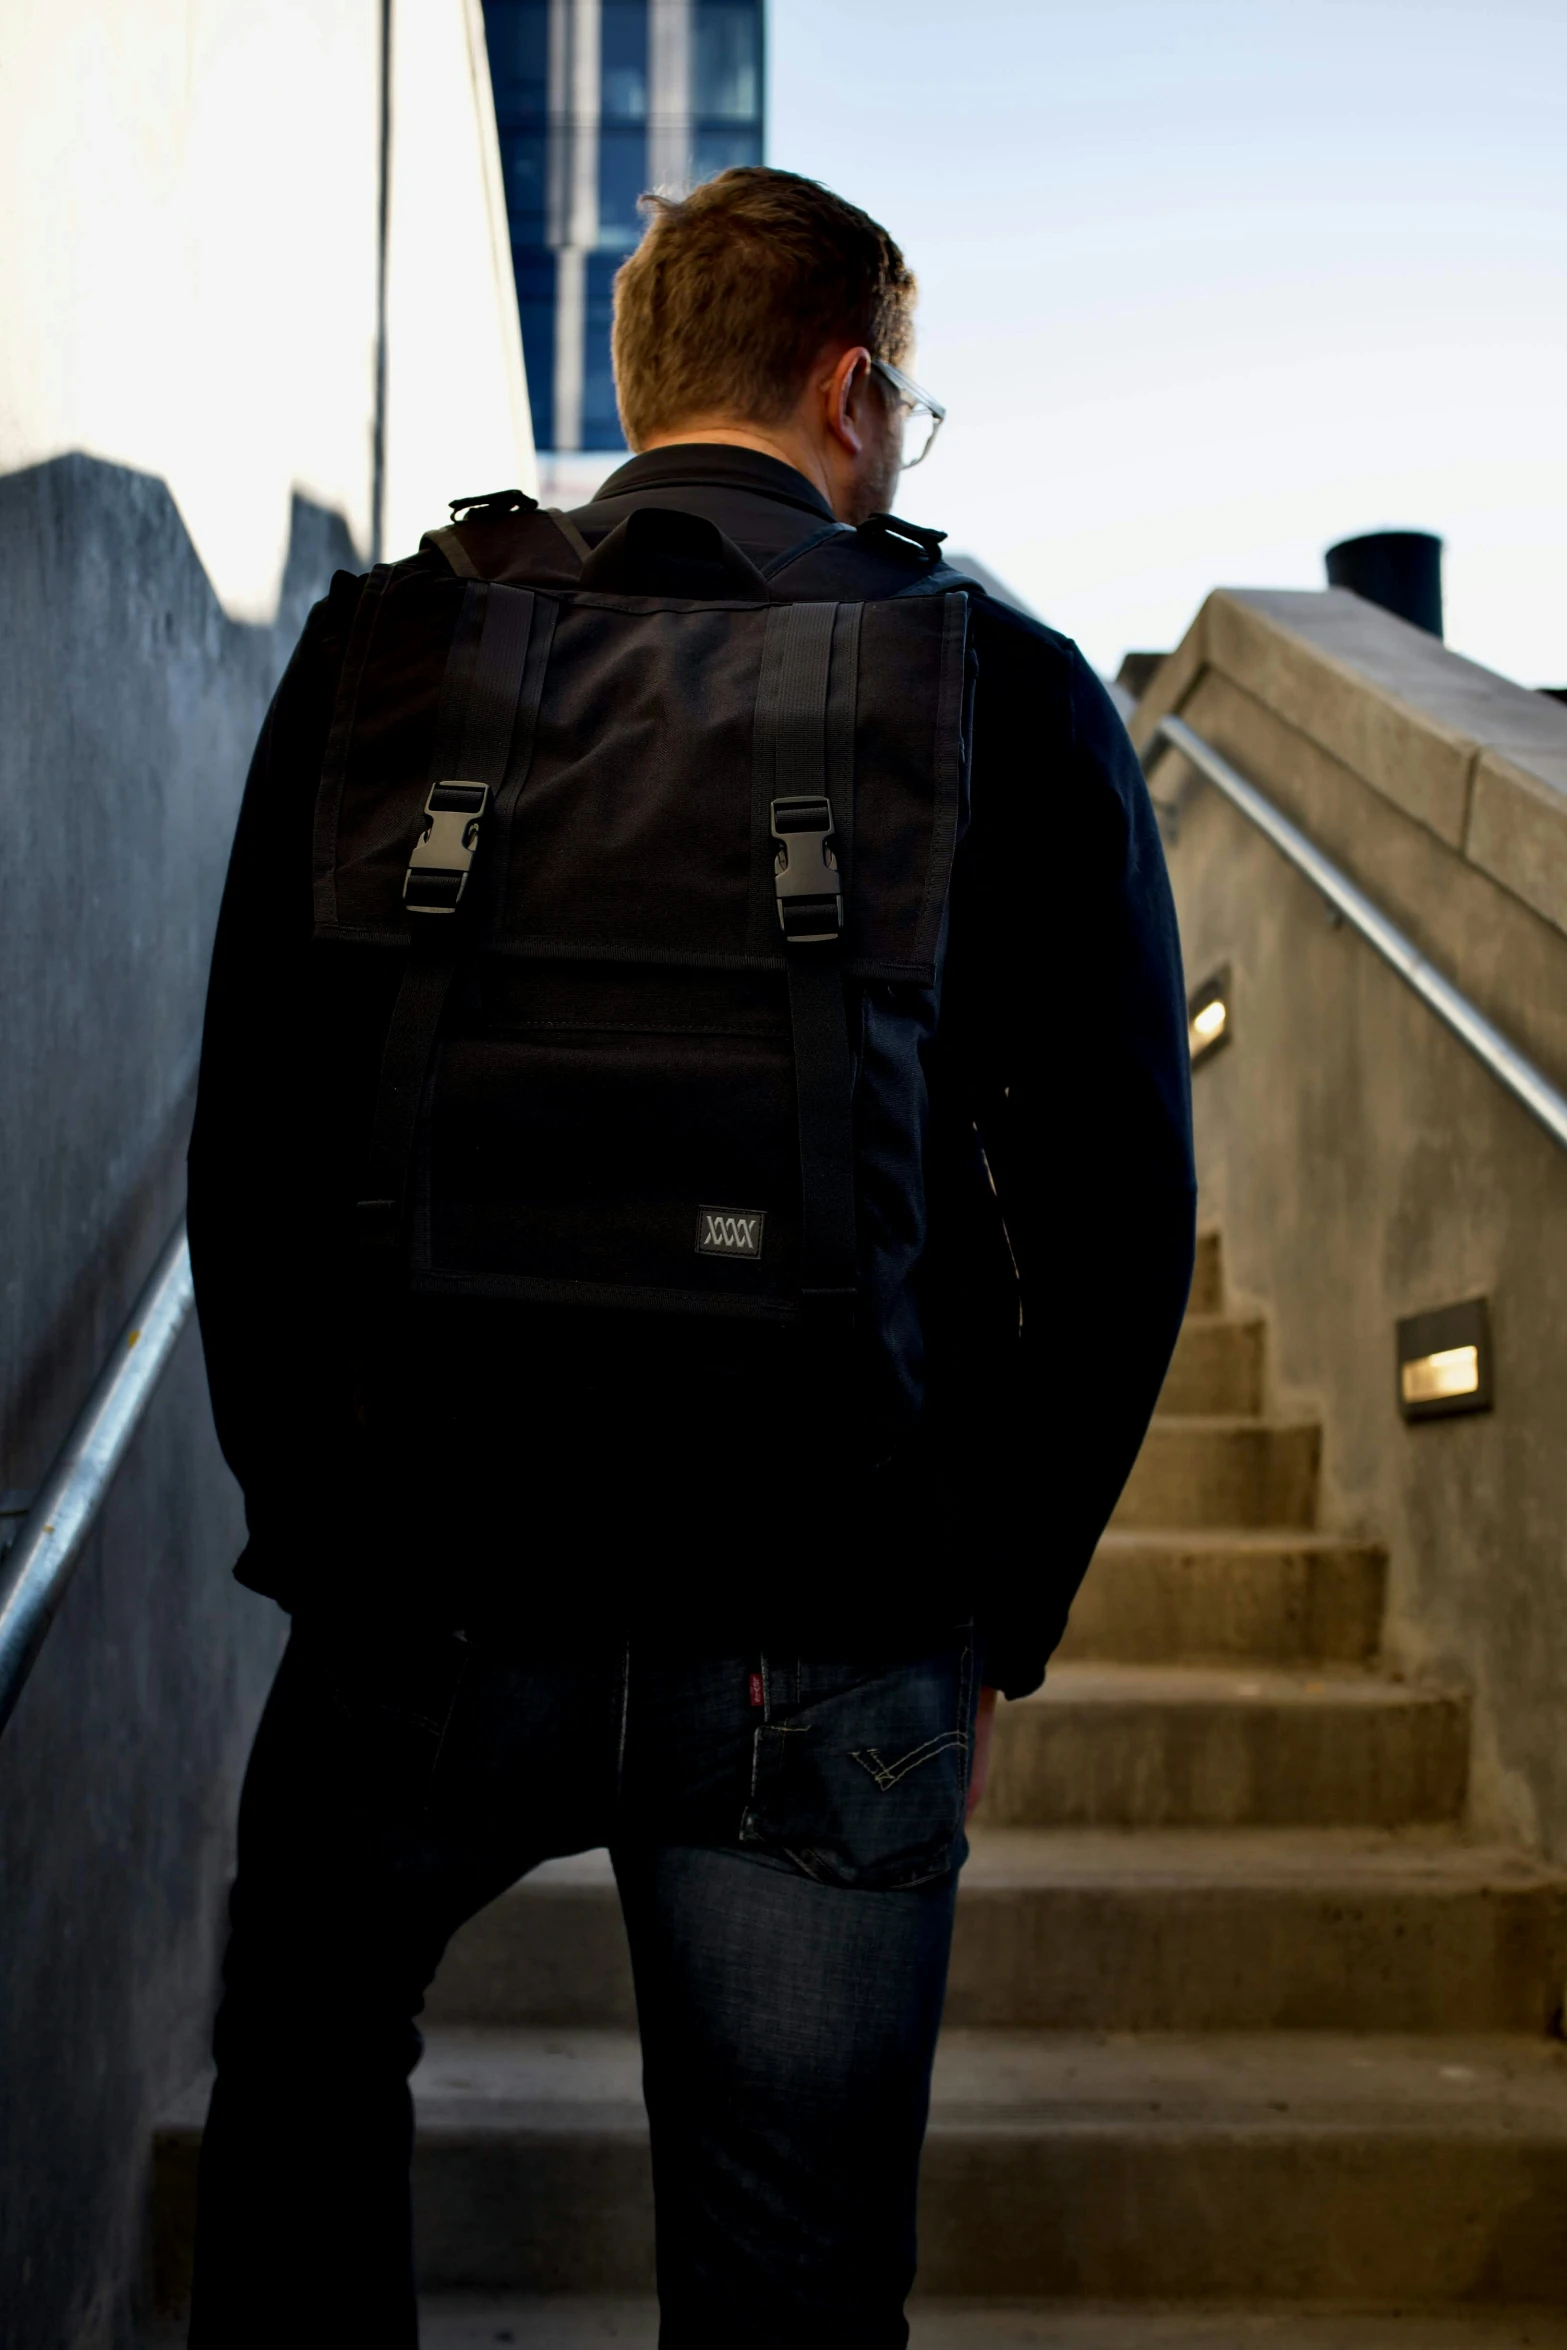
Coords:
39,1565
382,245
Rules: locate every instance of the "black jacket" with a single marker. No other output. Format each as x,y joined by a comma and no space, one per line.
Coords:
1062,1048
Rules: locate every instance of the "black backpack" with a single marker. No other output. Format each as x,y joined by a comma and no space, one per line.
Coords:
631,870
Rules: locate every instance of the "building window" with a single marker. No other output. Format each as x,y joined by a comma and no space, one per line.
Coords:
525,168
622,179
623,60
517,35
623,95
536,274
727,73
600,416
726,86
715,151
716,122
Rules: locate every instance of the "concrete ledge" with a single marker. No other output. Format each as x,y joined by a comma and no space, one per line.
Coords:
1477,760
1518,828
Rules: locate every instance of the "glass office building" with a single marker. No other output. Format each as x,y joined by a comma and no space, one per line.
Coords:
595,101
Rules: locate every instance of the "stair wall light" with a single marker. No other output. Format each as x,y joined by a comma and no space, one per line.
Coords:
1208,1021
1445,1362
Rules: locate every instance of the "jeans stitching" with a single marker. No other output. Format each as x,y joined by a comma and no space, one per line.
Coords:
625,1718
451,1708
888,1774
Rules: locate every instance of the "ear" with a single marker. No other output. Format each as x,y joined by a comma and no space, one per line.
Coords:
845,393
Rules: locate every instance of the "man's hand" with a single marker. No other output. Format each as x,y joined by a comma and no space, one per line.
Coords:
984,1723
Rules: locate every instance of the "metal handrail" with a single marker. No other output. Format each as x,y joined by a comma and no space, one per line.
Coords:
36,1569
1506,1063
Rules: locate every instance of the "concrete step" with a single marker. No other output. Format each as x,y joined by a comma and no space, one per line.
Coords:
1288,2165
1271,1596
551,1951
582,2321
1068,1929
1159,1930
1134,1746
1207,1291
1223,1470
462,2321
1284,2166
1217,1366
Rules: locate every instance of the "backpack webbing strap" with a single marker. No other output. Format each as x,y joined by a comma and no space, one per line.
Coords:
570,533
446,542
477,718
334,767
824,1092
794,696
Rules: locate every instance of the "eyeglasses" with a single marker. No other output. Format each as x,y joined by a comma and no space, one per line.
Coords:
923,417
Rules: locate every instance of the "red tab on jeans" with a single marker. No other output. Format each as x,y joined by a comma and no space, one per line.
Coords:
758,1693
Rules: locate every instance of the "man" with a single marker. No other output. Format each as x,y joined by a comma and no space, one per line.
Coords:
542,1602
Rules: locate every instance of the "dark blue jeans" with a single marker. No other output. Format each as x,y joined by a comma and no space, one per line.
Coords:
786,1832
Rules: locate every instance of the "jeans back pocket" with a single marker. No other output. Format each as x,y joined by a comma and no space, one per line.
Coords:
861,1780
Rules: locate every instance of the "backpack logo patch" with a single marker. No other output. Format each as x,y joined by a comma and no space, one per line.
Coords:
729,1232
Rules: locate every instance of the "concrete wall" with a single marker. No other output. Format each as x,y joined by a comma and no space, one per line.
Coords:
194,287
196,373
1362,1165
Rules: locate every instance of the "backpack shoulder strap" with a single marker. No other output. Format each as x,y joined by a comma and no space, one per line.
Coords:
345,709
879,561
447,541
792,748
478,717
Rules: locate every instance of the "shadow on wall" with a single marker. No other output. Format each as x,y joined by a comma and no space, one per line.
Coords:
131,703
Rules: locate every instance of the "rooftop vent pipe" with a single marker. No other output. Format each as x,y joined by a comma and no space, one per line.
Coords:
1398,569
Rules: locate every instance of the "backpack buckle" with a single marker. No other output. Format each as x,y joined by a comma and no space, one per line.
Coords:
805,872
443,854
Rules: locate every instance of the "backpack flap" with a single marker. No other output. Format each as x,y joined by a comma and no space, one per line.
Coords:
644,832
634,821
610,1120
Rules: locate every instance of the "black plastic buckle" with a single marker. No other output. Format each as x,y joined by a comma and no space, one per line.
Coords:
493,502
443,855
805,872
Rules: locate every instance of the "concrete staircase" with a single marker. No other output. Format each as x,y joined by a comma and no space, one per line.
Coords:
1238,2016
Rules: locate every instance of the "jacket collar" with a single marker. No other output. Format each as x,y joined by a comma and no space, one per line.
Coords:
715,465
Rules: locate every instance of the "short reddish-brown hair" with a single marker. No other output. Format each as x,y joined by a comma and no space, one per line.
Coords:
737,289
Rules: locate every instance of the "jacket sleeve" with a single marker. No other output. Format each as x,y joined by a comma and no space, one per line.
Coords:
266,1118
1066,987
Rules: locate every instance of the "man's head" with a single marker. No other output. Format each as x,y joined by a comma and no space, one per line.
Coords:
751,313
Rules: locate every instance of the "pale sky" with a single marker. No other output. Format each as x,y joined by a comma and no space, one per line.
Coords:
1208,284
